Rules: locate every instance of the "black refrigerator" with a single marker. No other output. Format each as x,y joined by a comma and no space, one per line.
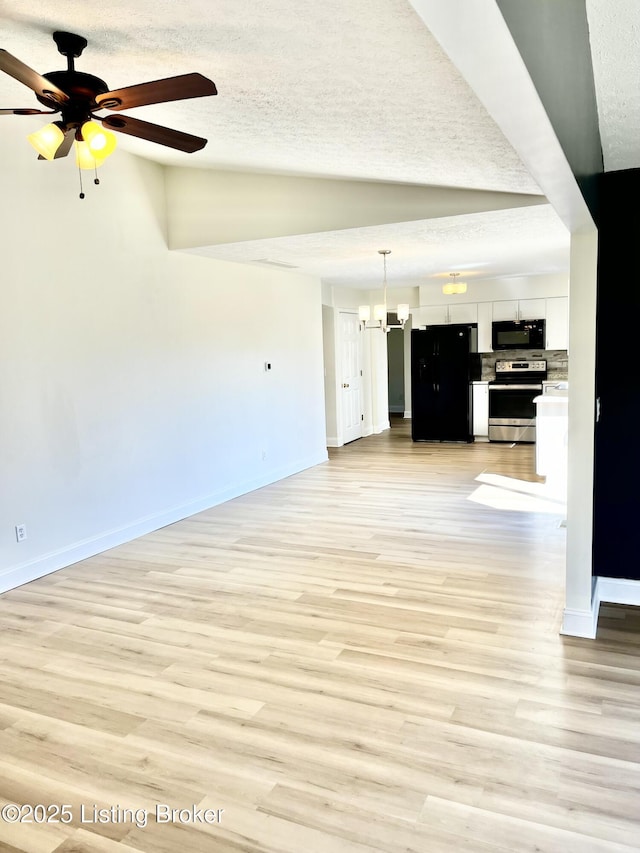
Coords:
444,361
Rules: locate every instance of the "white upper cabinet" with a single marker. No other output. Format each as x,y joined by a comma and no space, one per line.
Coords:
485,315
519,309
431,315
557,325
463,312
441,315
555,310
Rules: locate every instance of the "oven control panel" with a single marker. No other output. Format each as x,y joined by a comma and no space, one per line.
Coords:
503,366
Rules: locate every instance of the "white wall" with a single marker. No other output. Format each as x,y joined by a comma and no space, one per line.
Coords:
132,382
255,206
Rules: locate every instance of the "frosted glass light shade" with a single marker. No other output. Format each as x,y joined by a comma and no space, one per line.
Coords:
364,313
47,140
101,142
454,287
380,313
86,158
402,311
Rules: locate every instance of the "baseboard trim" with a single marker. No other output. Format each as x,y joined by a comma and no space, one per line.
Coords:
82,550
333,441
618,591
580,623
584,623
407,414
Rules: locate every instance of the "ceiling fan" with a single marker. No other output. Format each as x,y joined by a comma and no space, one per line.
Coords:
78,96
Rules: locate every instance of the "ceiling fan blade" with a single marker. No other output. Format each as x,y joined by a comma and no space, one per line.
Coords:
27,112
40,85
158,92
154,133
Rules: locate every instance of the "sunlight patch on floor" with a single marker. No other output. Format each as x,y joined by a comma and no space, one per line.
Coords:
509,493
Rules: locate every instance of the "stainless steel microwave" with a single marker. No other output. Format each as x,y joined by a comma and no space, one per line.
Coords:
510,334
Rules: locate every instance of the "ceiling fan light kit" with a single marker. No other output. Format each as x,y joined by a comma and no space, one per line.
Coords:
78,96
47,139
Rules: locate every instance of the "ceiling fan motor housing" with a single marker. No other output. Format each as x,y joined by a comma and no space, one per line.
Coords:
82,90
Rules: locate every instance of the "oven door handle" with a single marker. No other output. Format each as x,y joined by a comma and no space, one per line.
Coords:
512,386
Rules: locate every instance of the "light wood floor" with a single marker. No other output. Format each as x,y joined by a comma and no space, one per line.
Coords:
358,658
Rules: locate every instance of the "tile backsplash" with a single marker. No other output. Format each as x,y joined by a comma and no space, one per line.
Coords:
557,361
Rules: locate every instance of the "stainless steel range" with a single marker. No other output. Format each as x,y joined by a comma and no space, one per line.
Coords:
512,412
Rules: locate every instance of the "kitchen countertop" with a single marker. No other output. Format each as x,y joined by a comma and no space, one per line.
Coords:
552,399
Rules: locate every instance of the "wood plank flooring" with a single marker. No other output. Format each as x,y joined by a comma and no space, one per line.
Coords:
362,657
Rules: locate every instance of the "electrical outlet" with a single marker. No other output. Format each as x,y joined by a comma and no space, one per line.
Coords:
21,532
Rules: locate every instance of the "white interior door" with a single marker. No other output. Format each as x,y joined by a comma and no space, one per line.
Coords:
349,373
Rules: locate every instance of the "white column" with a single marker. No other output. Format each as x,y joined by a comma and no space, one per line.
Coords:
580,613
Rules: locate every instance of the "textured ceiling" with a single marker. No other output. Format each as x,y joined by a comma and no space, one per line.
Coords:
358,89
614,31
532,241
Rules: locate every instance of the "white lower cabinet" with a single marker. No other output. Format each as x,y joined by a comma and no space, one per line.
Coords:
480,399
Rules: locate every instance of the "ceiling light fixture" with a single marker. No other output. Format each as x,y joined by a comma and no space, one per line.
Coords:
78,96
454,286
380,311
93,144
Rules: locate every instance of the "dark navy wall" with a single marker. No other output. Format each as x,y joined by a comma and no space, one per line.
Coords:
616,537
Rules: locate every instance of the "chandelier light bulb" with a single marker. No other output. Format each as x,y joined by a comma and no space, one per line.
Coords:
101,142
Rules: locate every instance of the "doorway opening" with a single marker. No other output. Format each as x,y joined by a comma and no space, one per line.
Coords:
395,372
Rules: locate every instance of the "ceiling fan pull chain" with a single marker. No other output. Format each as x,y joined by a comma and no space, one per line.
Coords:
96,180
80,176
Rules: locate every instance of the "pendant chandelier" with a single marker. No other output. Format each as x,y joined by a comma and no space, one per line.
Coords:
380,311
